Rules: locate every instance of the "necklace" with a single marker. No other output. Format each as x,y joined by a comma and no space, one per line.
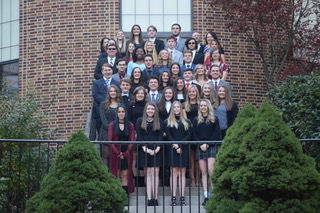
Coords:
150,120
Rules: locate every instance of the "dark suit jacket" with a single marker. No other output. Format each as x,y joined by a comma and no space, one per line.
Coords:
99,93
201,49
126,100
101,61
198,58
145,76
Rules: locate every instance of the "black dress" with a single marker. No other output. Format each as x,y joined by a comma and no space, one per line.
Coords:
173,134
135,111
206,132
123,165
144,159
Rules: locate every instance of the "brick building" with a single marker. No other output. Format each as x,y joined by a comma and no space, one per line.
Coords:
59,45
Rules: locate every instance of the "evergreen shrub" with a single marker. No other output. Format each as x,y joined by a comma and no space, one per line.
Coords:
261,168
78,182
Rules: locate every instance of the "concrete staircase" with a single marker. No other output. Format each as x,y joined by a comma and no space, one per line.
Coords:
194,199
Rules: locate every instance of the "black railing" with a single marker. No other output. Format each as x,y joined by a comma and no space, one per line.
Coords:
23,164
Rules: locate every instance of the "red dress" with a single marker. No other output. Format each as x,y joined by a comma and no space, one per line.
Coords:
115,151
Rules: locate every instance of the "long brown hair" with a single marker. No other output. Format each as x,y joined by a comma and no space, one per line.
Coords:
108,98
134,99
162,103
156,120
228,99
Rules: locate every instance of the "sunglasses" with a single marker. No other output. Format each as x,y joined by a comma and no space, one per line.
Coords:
111,48
191,43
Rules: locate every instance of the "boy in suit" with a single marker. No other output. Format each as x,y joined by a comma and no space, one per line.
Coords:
176,55
175,30
216,81
187,58
122,68
152,33
125,86
153,95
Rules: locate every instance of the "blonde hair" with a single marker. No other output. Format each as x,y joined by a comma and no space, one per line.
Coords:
123,48
154,52
211,118
211,98
160,60
187,105
196,75
172,121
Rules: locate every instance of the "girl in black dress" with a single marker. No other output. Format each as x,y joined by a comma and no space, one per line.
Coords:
135,111
178,128
136,79
206,128
164,80
191,110
174,71
150,128
165,103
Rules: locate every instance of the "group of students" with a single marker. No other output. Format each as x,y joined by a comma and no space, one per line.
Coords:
152,99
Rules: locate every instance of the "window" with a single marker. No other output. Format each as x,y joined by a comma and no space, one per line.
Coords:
161,14
9,43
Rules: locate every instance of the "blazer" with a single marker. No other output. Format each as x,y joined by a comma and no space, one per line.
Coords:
101,61
215,93
200,49
145,76
158,97
198,58
99,93
117,77
177,57
181,45
183,67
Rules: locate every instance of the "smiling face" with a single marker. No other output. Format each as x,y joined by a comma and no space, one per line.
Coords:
215,55
139,53
192,93
168,94
120,35
136,73
153,84
176,109
175,69
209,38
180,85
165,77
140,95
164,55
107,72
105,43
222,93
215,73
204,109
150,111
131,48
149,47
125,87
113,93
136,31
192,44
200,70
148,62
121,114
206,90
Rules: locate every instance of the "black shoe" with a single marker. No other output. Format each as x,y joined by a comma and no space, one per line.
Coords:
150,202
205,201
182,201
155,202
173,201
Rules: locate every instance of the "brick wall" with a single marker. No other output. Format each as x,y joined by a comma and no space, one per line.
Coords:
59,45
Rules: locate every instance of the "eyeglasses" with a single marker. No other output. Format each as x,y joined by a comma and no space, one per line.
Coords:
111,48
191,43
121,64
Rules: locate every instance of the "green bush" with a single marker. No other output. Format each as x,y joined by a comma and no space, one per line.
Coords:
297,100
261,168
78,182
22,165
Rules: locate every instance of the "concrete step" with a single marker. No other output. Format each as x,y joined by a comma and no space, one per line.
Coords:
189,191
166,209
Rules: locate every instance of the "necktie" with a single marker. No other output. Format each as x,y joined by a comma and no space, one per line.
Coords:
149,73
187,85
153,97
188,66
108,83
216,86
111,61
172,53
